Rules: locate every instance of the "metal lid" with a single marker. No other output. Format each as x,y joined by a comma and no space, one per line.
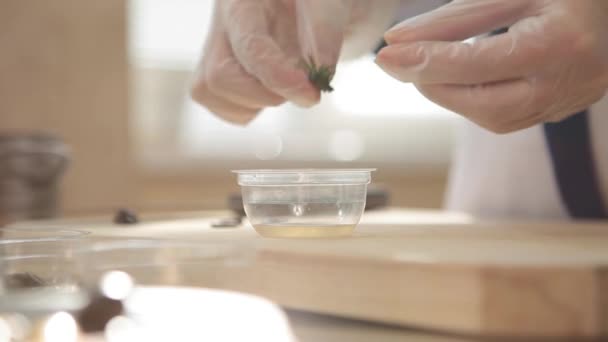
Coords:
304,176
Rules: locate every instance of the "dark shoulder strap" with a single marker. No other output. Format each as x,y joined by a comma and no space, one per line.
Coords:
569,143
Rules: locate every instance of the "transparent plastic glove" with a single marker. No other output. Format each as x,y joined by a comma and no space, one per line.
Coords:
552,63
254,56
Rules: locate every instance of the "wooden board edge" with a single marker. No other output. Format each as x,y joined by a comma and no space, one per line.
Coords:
556,301
543,302
427,296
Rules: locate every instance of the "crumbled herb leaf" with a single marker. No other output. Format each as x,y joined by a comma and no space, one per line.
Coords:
320,76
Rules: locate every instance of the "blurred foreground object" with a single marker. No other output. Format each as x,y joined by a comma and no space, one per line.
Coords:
31,166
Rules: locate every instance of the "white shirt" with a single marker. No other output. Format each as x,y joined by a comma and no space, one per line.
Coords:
511,176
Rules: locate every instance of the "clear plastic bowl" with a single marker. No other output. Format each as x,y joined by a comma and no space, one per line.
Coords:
304,203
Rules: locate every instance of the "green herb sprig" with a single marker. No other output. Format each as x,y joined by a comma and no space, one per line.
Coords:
320,76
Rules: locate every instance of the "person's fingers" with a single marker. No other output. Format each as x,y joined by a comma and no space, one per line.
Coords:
321,29
500,107
230,81
460,20
260,56
222,108
226,78
497,58
207,73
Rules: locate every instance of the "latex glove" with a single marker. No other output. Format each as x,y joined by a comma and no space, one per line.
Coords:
253,56
552,63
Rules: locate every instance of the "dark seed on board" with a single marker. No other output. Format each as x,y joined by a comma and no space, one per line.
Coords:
125,216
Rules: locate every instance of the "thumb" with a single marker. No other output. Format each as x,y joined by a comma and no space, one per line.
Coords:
321,29
460,20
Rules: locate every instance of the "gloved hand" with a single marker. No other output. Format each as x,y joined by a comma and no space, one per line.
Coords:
253,56
552,63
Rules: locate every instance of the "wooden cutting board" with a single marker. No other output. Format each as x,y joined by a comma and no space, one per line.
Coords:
423,269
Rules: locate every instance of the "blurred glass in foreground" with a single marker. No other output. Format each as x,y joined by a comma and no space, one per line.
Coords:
59,285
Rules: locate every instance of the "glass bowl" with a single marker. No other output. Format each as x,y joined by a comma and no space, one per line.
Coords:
311,203
39,272
42,257
43,274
